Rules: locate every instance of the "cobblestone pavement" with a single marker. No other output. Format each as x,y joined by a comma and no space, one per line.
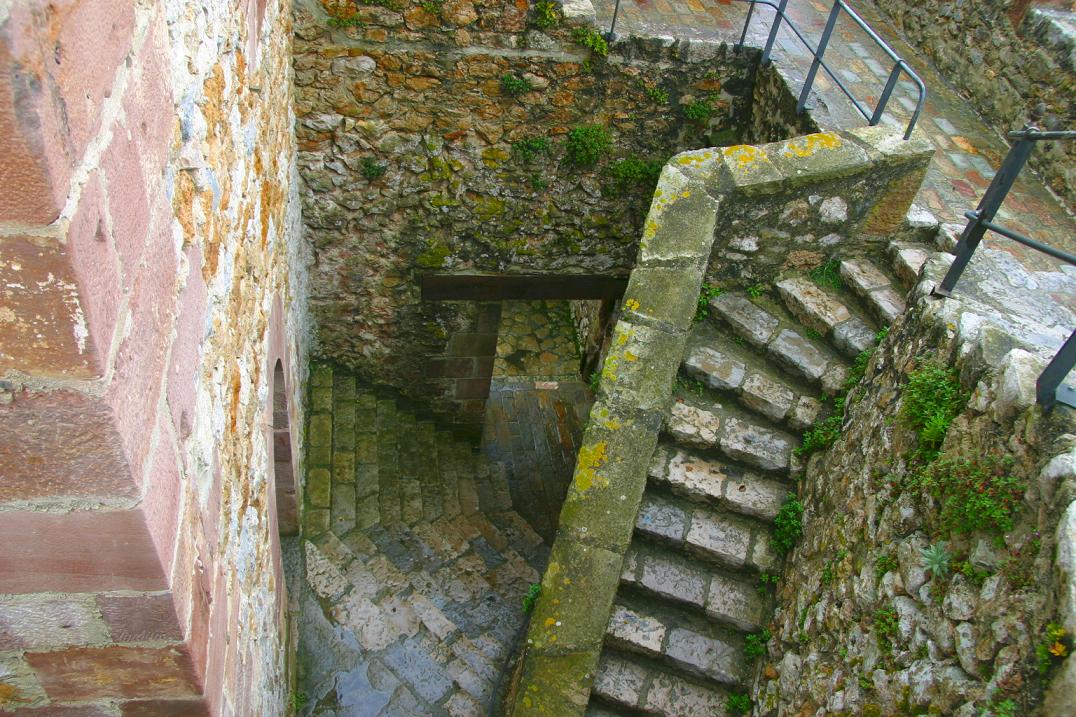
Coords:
537,408
969,151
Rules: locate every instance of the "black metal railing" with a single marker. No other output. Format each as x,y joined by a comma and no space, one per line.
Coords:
780,19
1049,388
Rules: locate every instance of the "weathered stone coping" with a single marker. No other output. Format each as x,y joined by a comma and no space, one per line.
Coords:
696,192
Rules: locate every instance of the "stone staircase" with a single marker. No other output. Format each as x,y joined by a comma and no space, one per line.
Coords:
758,371
415,563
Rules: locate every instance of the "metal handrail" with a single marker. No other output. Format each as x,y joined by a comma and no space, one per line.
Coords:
1048,389
874,116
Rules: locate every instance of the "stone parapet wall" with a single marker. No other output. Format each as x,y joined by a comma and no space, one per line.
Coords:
409,163
863,626
1014,64
698,196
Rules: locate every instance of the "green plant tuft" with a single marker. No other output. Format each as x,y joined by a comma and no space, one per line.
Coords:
756,291
657,95
298,700
591,39
699,110
936,559
709,291
514,85
883,564
974,494
587,144
788,525
341,20
372,170
634,173
1052,648
1005,708
433,7
531,597
755,644
885,627
767,581
823,433
932,399
738,704
528,148
827,275
546,14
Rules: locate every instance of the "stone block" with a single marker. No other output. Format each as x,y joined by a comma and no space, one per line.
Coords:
752,168
663,294
755,325
640,366
717,370
555,684
87,673
673,579
87,551
620,681
662,519
799,355
642,633
576,600
862,276
140,618
735,603
753,495
720,537
755,445
343,507
679,229
669,695
609,478
853,337
812,158
693,426
769,397
165,708
46,621
343,470
886,303
318,487
705,655
811,305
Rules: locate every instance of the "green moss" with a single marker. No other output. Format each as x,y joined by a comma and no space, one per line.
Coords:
788,525
587,144
372,170
493,157
514,85
699,110
529,148
488,207
591,39
633,175
434,256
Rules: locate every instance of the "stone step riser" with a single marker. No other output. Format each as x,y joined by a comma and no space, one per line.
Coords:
650,690
734,436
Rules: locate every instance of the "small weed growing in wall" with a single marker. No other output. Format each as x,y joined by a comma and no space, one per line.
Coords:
1052,648
974,494
932,399
976,576
389,4
936,559
546,14
529,148
633,174
338,18
788,525
755,644
372,170
828,275
699,110
656,94
756,291
709,291
690,385
514,85
531,597
824,433
591,39
433,7
883,564
1005,708
766,581
298,700
587,144
885,627
738,704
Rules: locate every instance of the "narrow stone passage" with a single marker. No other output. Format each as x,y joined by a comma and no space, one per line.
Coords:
537,408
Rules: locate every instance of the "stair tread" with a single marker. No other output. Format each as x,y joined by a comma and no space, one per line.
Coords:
699,478
647,688
868,282
741,436
680,579
819,310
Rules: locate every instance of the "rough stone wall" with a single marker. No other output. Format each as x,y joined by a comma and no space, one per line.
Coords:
862,627
1014,64
153,177
417,90
773,109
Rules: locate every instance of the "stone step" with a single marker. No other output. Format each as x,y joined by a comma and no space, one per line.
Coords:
646,688
721,365
907,259
689,645
717,483
806,358
740,436
821,311
871,285
725,539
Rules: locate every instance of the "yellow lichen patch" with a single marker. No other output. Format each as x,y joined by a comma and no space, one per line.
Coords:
744,154
628,355
632,304
810,144
591,458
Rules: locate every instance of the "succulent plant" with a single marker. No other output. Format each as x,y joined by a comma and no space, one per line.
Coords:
936,559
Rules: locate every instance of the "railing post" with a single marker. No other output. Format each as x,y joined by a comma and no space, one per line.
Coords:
773,32
746,23
1049,389
890,84
988,206
611,35
826,33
